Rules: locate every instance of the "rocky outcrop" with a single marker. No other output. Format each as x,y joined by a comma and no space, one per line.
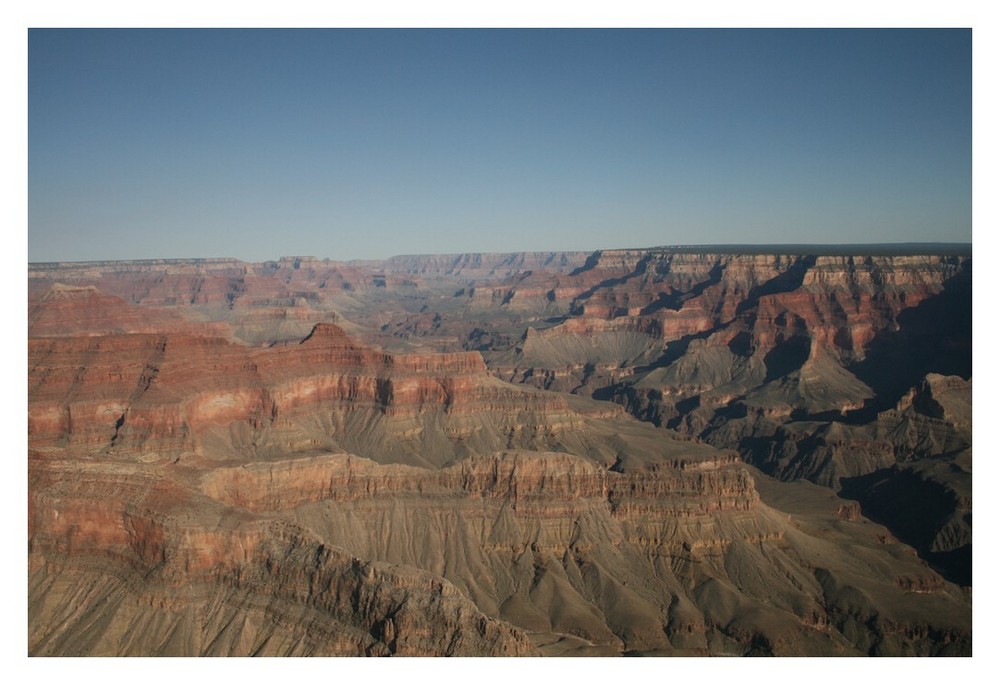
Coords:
515,553
158,572
531,482
311,457
174,394
796,360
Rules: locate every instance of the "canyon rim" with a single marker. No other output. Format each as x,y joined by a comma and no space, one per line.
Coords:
667,451
674,358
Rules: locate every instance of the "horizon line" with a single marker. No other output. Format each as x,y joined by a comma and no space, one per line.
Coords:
900,249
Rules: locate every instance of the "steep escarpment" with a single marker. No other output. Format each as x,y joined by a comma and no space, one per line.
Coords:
419,456
513,553
188,395
785,309
798,361
128,561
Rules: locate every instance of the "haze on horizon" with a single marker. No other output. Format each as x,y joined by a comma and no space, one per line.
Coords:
362,144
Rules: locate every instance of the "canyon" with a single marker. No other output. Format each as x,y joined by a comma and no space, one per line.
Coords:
742,450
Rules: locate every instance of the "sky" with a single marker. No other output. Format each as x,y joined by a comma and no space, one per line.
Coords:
362,144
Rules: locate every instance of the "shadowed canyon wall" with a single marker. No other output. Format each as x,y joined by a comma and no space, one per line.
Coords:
660,451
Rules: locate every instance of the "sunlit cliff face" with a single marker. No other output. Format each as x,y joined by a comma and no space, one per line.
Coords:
572,453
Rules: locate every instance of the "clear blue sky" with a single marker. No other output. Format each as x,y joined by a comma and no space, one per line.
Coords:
363,144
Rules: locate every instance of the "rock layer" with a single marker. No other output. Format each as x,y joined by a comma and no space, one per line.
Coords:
311,457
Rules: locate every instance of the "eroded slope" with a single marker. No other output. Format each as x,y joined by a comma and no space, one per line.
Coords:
314,494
